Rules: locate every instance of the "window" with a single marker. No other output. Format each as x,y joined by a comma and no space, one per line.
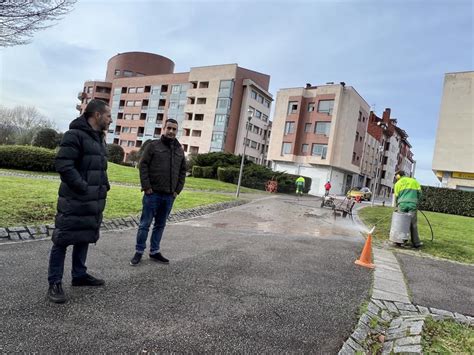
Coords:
130,103
322,128
90,89
135,116
258,114
204,84
307,127
260,99
360,116
138,103
127,116
267,103
140,90
225,88
218,138
199,117
292,107
117,72
289,127
185,147
127,73
220,120
304,148
253,144
193,150
201,101
253,95
132,90
125,129
175,89
186,132
311,107
357,136
319,149
264,118
256,129
326,106
285,148
196,133
159,117
353,156
133,130
131,144
223,103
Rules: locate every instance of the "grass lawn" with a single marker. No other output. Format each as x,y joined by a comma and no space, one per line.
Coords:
32,201
453,235
129,175
447,337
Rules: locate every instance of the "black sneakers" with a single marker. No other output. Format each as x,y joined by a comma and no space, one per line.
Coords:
56,293
87,280
136,259
159,258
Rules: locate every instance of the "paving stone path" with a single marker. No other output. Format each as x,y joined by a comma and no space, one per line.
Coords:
392,323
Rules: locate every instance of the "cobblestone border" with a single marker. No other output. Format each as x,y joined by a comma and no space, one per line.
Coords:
394,327
25,233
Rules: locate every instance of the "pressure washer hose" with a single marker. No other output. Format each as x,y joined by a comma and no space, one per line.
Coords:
427,220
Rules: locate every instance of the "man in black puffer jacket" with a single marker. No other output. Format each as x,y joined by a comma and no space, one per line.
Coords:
162,174
82,164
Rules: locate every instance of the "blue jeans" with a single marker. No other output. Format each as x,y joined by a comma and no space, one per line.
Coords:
155,206
56,262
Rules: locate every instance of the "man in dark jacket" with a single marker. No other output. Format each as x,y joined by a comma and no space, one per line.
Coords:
162,174
82,164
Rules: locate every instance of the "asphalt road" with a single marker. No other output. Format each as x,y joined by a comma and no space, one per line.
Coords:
440,284
272,276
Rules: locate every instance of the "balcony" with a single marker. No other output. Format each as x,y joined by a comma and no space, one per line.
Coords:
81,95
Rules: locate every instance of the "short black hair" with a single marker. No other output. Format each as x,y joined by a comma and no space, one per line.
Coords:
93,106
172,120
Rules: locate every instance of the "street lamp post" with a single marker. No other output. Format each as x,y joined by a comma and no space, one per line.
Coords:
379,162
249,117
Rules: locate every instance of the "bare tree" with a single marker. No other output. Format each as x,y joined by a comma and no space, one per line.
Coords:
20,19
19,124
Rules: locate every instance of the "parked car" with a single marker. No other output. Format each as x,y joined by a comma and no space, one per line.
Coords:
364,193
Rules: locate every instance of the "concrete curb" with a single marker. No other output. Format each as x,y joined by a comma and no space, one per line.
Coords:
44,232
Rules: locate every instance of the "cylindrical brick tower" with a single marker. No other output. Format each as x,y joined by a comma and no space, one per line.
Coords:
137,64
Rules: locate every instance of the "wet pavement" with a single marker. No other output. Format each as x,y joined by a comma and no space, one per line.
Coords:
275,275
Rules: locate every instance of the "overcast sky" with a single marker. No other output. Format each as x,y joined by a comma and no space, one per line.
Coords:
394,53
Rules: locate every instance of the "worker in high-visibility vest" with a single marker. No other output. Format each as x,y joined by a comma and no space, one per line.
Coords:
300,185
407,194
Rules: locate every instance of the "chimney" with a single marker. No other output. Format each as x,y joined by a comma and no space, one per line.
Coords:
386,115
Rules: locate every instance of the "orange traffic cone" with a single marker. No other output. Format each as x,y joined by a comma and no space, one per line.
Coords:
366,256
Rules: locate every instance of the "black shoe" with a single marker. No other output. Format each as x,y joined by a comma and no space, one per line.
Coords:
160,258
418,246
136,259
87,280
56,293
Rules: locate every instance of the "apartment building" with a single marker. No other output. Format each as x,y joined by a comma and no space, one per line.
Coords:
453,158
212,104
386,150
319,131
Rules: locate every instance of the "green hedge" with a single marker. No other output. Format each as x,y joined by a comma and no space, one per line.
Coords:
230,174
206,172
24,157
449,201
